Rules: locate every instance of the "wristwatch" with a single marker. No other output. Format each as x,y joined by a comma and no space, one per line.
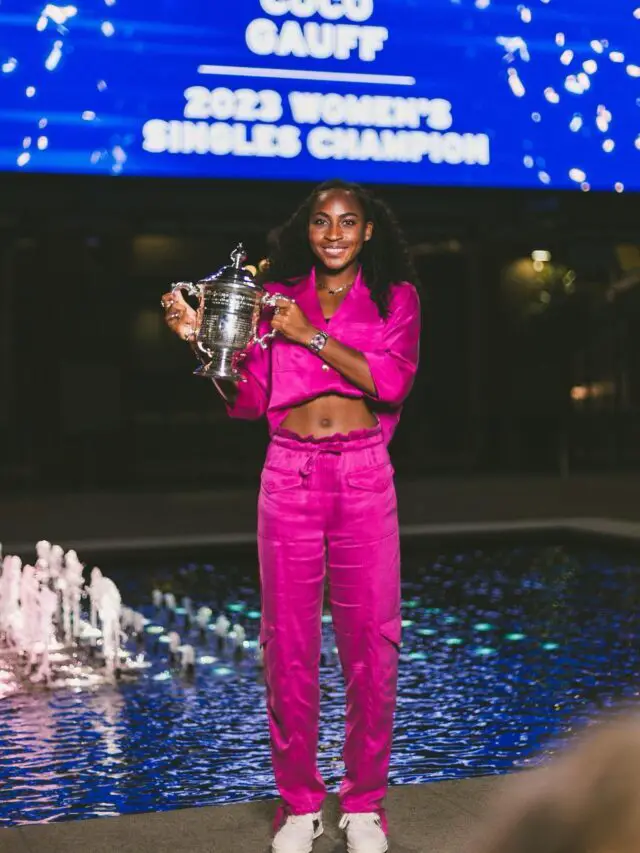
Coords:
318,341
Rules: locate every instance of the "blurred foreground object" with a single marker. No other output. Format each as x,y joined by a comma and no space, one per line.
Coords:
586,799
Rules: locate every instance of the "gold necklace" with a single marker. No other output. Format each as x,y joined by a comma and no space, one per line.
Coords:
336,290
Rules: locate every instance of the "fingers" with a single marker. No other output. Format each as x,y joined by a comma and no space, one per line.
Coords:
179,316
277,322
285,308
173,311
174,297
280,317
174,316
286,316
174,305
284,302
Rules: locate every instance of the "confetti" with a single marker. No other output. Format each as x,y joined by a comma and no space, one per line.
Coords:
51,62
56,14
517,86
525,14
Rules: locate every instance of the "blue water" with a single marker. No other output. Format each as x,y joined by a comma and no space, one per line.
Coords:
505,650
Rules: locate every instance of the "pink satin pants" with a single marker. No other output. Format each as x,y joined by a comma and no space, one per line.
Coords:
329,506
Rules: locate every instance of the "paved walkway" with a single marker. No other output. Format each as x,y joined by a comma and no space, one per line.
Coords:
435,818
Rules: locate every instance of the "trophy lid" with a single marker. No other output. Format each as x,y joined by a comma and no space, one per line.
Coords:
232,273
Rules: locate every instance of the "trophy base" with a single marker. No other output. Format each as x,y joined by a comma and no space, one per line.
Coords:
222,366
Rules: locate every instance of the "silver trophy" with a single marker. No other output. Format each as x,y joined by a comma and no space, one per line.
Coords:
230,303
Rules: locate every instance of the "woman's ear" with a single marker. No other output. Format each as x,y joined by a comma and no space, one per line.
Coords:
368,231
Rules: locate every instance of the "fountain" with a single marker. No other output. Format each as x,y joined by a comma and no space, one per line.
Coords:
188,659
202,618
42,630
221,629
56,630
236,639
174,646
170,604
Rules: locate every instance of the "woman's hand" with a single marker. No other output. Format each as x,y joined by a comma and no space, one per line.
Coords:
179,316
290,321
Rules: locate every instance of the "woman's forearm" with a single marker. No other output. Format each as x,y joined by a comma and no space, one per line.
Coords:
350,363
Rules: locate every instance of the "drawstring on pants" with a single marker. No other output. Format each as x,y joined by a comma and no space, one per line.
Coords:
310,461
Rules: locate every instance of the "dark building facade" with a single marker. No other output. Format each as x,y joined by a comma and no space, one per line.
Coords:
531,308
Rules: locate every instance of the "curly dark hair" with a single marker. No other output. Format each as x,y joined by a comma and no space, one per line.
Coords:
385,257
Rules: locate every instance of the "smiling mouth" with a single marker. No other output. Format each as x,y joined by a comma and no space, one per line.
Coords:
334,250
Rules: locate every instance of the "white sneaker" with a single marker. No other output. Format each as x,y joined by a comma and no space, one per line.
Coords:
297,833
364,833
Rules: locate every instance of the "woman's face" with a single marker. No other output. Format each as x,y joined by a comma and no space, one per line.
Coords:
338,229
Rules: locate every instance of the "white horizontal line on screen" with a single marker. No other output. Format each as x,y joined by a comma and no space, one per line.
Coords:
329,76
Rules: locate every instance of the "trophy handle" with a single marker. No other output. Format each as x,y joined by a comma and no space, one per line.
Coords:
262,341
189,286
270,300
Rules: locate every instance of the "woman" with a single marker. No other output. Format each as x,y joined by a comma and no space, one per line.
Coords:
332,385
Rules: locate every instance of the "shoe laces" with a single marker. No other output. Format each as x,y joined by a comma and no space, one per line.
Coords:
298,818
294,819
361,819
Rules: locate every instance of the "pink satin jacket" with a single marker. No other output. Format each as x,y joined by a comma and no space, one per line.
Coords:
287,374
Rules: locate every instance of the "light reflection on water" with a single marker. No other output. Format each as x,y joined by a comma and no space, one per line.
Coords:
503,649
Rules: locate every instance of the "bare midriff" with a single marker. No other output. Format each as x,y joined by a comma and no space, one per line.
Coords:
329,414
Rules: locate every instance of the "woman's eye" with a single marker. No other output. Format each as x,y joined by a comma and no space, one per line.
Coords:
349,223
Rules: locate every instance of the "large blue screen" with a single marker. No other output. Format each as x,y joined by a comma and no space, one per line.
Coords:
450,92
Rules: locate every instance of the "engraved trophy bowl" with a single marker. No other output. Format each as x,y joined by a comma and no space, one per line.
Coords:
230,303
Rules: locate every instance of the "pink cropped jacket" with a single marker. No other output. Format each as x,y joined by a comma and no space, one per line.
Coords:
286,374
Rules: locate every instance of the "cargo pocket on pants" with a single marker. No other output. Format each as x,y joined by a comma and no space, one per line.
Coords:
392,631
273,480
375,479
266,633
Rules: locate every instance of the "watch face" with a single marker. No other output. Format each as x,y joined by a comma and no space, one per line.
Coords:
317,342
